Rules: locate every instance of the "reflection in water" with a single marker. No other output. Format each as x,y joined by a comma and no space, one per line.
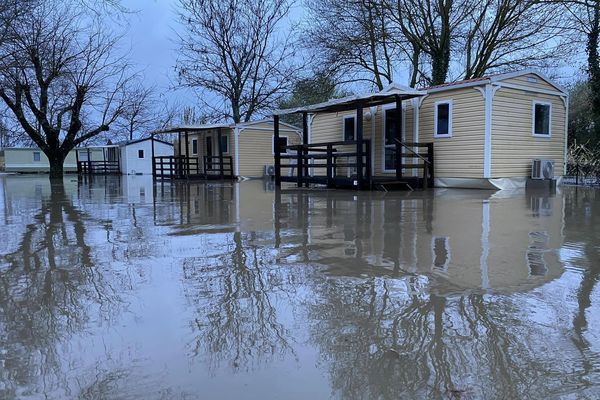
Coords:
237,321
119,288
50,288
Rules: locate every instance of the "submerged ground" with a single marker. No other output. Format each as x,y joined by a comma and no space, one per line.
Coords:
115,288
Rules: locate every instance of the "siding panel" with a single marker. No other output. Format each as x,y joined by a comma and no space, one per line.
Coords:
513,146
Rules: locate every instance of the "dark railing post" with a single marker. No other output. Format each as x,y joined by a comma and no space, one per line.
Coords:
220,148
276,150
300,166
359,145
304,143
153,160
77,160
368,162
425,174
329,164
398,137
430,158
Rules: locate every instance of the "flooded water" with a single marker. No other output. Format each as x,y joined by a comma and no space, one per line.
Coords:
118,289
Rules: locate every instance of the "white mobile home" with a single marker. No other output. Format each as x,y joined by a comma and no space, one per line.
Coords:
136,155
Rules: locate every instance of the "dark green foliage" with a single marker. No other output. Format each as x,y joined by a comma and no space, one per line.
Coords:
583,120
313,90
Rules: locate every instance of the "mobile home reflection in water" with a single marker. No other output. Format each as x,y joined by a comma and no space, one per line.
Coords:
481,239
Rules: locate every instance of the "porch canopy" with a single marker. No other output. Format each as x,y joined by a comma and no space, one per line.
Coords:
390,94
185,130
394,93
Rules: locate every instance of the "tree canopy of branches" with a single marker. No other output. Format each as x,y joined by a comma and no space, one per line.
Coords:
439,40
503,34
352,39
139,113
61,79
234,52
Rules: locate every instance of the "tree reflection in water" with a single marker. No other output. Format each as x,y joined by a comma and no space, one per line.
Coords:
49,290
238,295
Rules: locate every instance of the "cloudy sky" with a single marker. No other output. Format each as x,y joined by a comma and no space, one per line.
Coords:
153,41
151,35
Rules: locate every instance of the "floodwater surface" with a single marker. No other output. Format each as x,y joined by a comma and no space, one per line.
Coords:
114,288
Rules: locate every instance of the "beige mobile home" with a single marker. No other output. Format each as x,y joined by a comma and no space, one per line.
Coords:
32,160
479,133
217,151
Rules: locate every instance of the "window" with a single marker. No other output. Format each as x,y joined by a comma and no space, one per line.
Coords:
225,143
541,118
195,146
283,141
389,127
349,128
36,156
140,153
443,119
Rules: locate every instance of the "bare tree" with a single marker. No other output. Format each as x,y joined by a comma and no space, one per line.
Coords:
61,80
139,114
234,52
502,34
352,40
431,28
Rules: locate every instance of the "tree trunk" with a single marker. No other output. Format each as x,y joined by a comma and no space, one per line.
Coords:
440,62
593,61
56,165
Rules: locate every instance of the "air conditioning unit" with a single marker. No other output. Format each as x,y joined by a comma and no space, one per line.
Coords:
542,169
269,170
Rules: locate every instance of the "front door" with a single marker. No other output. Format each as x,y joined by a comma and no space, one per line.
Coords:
209,151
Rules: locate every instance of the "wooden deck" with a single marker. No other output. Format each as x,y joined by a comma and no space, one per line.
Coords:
348,164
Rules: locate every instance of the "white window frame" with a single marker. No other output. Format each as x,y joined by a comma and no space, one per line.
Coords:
280,137
383,124
143,154
39,154
195,153
542,103
344,118
435,119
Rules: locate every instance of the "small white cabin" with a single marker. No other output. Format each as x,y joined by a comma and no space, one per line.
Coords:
136,155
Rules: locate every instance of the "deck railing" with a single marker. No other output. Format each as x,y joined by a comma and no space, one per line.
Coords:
349,164
176,167
413,157
98,167
214,166
183,167
342,163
